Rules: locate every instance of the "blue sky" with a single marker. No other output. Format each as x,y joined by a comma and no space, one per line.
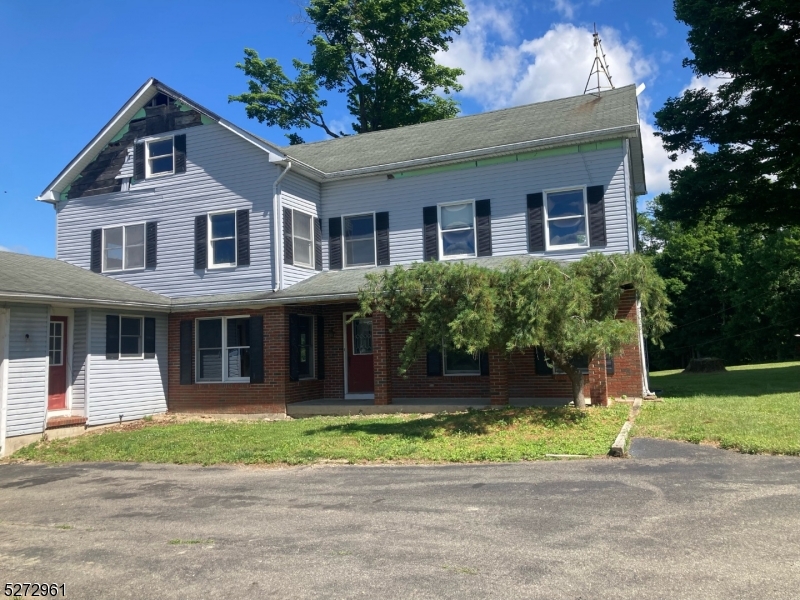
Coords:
69,66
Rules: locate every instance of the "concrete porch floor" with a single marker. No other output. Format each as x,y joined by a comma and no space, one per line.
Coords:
340,407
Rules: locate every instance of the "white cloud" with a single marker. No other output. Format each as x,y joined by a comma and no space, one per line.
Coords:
17,249
709,82
565,8
4,249
659,29
657,164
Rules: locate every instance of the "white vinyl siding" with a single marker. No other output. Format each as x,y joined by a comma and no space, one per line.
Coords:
79,356
506,185
27,369
131,388
299,193
223,172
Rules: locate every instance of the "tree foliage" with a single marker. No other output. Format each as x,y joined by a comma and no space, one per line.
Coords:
735,290
746,135
568,311
380,53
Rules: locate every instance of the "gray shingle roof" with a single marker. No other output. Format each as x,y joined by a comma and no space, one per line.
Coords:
532,122
35,277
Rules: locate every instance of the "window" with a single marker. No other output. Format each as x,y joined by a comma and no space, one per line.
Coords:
359,240
461,362
56,348
303,239
130,337
362,336
305,345
222,239
123,247
160,159
566,219
457,230
579,362
223,357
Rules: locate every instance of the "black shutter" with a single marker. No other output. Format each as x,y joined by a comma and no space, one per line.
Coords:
335,243
317,244
434,363
536,231
288,247
320,347
483,224
138,161
256,349
243,237
609,364
542,368
149,336
186,352
201,242
382,237
112,336
430,232
96,258
597,216
484,358
180,153
151,258
294,348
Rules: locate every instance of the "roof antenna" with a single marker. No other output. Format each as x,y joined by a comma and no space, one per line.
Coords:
600,65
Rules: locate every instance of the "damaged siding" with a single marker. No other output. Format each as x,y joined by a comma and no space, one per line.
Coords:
103,174
223,172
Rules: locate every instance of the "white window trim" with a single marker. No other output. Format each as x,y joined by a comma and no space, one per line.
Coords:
294,235
124,254
148,174
224,349
374,242
574,188
439,229
63,345
210,250
312,354
141,338
458,373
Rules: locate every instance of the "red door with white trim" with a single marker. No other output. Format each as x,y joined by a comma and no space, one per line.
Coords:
57,359
360,365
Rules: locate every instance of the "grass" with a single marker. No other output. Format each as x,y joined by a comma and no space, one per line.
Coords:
508,434
754,409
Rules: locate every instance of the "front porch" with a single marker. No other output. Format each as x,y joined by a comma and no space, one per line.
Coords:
339,407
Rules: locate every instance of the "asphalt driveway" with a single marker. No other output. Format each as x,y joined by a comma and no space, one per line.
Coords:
675,521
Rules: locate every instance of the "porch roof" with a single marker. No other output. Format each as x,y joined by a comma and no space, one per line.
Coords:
25,278
324,286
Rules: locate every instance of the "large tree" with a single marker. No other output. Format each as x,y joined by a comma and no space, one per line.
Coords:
567,311
746,134
380,53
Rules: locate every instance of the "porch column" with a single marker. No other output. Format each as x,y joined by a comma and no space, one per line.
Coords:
498,377
598,380
381,354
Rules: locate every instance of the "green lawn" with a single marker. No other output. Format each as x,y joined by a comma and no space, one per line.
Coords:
752,409
496,435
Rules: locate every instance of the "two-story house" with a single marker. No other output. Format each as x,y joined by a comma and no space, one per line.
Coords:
235,263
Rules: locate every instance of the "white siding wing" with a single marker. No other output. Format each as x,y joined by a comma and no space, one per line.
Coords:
27,369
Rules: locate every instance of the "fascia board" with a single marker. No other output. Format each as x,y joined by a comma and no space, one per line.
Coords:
79,302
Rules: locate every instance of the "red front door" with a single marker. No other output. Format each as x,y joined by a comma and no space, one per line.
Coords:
57,358
360,378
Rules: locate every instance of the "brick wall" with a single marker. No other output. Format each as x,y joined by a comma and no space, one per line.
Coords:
627,377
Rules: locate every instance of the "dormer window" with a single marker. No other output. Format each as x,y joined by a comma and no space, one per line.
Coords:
160,157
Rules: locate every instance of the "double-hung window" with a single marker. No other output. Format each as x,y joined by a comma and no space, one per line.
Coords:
222,239
130,337
303,239
461,362
223,349
123,247
359,240
457,230
160,157
565,211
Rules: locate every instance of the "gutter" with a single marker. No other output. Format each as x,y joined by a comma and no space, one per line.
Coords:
277,217
645,374
79,302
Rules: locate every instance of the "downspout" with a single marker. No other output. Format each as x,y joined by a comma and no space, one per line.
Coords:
277,212
642,352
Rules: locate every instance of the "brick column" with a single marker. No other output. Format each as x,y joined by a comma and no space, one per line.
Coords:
498,377
381,354
276,353
598,380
